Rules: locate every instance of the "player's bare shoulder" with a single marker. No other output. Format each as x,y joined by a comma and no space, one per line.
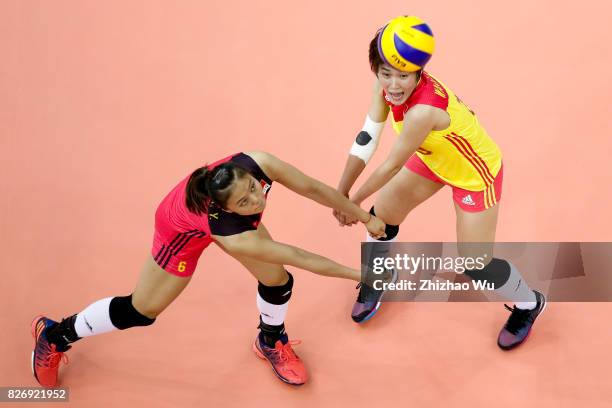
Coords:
436,118
266,161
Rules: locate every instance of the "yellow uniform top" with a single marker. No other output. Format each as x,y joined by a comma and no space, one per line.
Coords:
463,154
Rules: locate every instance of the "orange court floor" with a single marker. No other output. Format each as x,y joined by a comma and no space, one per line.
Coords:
106,106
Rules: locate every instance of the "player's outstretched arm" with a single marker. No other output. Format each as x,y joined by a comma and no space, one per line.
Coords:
252,245
420,121
366,142
306,186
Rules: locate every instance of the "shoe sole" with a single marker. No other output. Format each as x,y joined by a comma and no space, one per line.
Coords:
259,354
33,330
373,312
508,348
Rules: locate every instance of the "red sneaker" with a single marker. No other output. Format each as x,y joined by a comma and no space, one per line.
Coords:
286,364
45,357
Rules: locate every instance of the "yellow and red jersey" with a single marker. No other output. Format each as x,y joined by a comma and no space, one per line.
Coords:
463,154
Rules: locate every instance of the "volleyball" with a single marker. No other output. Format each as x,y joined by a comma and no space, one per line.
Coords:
406,43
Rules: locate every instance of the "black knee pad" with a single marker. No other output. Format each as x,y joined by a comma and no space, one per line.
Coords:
497,272
390,230
123,315
276,295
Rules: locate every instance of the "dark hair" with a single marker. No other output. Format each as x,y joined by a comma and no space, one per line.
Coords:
374,55
206,186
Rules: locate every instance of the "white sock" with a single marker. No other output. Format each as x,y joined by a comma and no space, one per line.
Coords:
526,305
517,289
271,314
95,319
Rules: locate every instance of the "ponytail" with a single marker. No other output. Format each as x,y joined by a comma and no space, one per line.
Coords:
197,197
211,186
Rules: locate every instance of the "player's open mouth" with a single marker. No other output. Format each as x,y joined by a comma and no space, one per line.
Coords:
396,96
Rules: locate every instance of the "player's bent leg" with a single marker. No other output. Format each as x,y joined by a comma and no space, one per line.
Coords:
273,293
479,227
404,192
476,226
155,290
369,299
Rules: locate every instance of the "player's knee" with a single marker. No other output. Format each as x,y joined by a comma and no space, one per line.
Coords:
276,278
124,315
496,272
390,230
276,295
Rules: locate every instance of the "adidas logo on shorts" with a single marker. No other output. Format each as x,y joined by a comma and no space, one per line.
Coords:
467,200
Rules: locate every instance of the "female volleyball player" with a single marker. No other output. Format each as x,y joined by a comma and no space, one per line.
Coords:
440,143
221,203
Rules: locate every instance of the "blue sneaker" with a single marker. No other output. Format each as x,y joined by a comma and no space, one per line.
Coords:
369,300
519,324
